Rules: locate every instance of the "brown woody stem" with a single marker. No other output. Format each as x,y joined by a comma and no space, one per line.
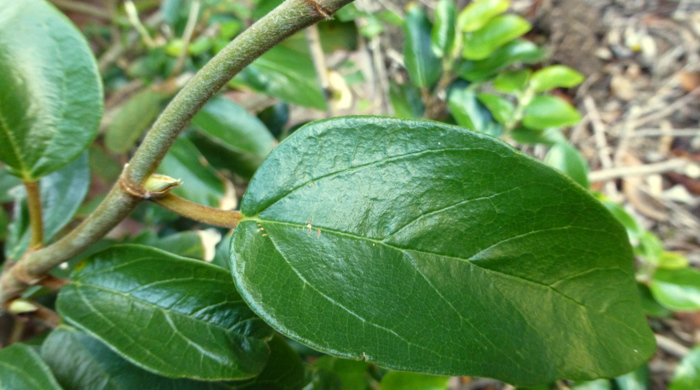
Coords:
35,219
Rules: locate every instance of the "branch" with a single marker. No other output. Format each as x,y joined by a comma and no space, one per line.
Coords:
291,16
222,218
642,170
36,221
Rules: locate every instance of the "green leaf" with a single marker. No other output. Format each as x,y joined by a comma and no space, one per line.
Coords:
283,371
444,33
633,228
502,109
81,362
406,100
672,260
423,66
650,248
513,81
635,380
7,182
264,7
650,305
678,290
548,137
62,193
395,241
687,375
352,373
480,44
471,113
22,368
600,384
287,74
556,76
275,118
185,244
200,182
50,89
411,381
132,120
550,111
479,12
512,53
177,307
322,379
564,157
243,135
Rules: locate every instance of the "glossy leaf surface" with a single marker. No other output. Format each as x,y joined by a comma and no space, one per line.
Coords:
50,90
81,362
411,381
550,111
241,133
62,193
22,368
687,375
677,290
557,76
431,248
444,33
424,67
177,308
479,12
496,33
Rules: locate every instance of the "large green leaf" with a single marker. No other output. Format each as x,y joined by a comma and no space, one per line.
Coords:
687,375
62,193
287,74
480,44
243,135
430,248
81,362
397,380
50,90
22,368
176,308
677,290
423,66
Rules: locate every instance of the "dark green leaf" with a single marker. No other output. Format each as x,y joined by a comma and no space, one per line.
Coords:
479,12
102,165
566,158
275,118
512,53
406,101
62,193
394,242
502,109
185,244
687,375
444,33
7,182
635,380
633,229
287,74
4,223
132,120
550,111
322,379
50,90
352,373
423,66
176,308
21,368
547,137
200,183
264,7
233,128
470,113
678,290
411,381
81,362
480,44
283,371
338,35
513,81
557,76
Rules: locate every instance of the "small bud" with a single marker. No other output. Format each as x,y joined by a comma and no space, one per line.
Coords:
19,306
160,184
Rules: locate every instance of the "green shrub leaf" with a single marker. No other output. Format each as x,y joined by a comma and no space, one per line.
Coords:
176,307
444,29
430,248
687,375
132,120
678,290
564,157
244,137
550,111
424,67
502,109
557,76
496,33
471,113
511,53
513,81
480,12
406,100
410,381
22,368
50,90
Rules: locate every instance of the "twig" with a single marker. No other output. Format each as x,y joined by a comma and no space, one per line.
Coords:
663,133
83,8
133,16
35,219
601,143
222,218
313,39
187,35
668,110
291,16
642,170
671,346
